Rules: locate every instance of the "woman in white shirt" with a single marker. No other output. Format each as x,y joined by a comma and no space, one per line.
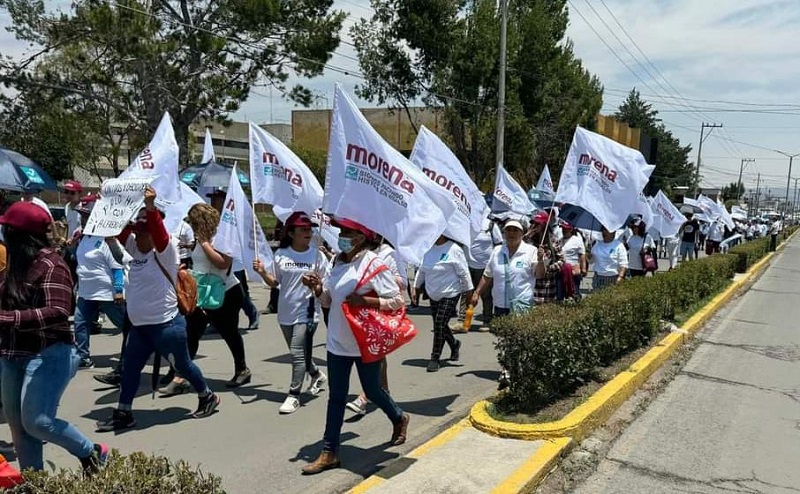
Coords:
609,259
206,260
343,352
512,270
574,250
298,311
639,243
445,274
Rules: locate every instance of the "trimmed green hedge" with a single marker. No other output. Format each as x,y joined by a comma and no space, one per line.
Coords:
556,348
132,474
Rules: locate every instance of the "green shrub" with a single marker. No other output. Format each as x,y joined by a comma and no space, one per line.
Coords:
554,349
749,253
133,474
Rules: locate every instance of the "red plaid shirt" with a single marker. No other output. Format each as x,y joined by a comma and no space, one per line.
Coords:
45,319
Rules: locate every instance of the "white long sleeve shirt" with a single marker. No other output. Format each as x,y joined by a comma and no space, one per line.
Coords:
444,272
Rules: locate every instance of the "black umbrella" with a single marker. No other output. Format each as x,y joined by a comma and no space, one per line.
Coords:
211,175
541,198
579,218
19,173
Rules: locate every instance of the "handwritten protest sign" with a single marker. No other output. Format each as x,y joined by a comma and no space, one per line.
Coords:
120,201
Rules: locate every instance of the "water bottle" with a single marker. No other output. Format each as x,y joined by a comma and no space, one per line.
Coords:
468,317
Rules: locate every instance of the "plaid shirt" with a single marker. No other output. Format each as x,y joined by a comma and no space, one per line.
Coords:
45,319
545,289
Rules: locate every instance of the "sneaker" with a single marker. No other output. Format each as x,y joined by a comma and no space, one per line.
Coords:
484,329
455,352
174,388
317,383
239,379
433,366
167,378
290,405
95,461
253,324
457,327
96,328
113,378
206,406
120,420
359,406
86,363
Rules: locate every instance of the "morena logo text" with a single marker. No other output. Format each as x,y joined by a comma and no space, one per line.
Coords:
359,155
598,165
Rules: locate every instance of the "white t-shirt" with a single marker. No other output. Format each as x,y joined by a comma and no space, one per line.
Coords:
73,220
201,264
397,266
341,284
716,231
95,265
289,268
775,228
483,244
444,272
572,249
608,258
151,296
521,268
635,248
185,237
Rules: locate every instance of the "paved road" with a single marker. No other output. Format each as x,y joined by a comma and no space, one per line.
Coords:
252,447
730,421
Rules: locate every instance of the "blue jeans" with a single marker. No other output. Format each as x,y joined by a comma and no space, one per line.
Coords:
86,313
339,385
169,340
248,306
32,388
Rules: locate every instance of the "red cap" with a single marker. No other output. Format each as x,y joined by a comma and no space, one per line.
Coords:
87,204
299,219
26,217
566,226
352,225
541,218
73,186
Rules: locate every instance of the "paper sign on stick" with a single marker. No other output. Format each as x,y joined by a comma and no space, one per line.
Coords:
120,202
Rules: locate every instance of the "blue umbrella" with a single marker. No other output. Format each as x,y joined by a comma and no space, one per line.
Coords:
19,173
541,198
211,175
579,218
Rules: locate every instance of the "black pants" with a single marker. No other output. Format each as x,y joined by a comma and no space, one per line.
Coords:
637,272
225,320
274,294
773,242
442,311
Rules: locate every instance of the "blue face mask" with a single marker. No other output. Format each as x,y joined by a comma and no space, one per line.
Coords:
345,244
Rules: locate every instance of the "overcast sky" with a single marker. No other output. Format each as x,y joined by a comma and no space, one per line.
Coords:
723,52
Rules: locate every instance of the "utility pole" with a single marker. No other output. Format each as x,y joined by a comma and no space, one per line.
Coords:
739,184
501,90
703,128
788,177
794,199
758,194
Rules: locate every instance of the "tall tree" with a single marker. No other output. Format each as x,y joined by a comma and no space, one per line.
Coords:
132,60
446,52
673,167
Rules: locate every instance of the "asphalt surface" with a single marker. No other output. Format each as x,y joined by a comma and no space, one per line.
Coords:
730,421
251,446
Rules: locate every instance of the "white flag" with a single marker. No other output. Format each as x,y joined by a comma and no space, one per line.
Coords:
279,177
667,218
159,162
441,165
370,182
545,183
175,212
235,234
738,213
509,195
208,149
643,209
603,177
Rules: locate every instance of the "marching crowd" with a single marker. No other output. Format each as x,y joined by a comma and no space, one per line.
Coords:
136,280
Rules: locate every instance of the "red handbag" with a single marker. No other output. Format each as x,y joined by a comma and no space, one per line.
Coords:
378,333
9,476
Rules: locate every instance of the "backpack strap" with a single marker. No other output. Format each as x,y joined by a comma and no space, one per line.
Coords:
164,270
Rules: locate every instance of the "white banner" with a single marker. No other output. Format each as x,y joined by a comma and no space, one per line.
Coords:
545,183
370,182
603,177
235,235
208,149
279,177
509,195
159,162
667,218
440,165
120,202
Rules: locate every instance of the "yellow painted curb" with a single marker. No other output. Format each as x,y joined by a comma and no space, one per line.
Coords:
535,468
436,442
605,401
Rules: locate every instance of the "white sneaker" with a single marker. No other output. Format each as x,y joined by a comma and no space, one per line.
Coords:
317,383
290,405
358,405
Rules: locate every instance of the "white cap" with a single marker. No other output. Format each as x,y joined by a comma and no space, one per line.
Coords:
514,224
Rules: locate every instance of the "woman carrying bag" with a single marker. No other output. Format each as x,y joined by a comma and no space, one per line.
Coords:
358,279
641,248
